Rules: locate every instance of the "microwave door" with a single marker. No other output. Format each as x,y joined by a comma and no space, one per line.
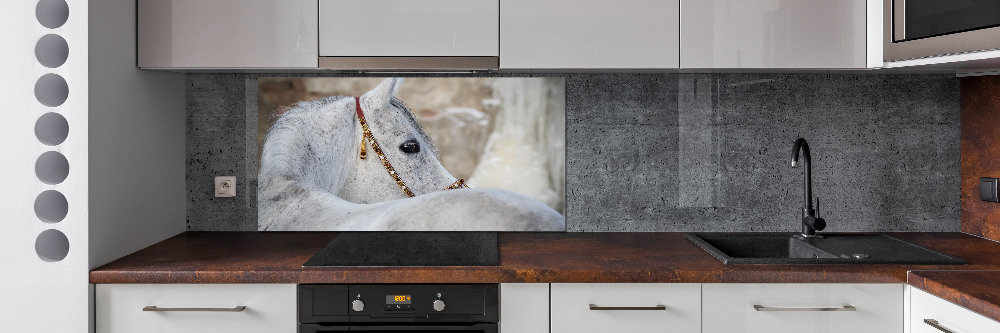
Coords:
916,19
914,29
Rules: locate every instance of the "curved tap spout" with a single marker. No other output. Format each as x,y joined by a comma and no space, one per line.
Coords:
802,145
810,222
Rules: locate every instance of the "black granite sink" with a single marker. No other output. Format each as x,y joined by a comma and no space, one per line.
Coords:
786,248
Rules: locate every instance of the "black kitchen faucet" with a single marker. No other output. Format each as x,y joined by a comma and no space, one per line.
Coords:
810,222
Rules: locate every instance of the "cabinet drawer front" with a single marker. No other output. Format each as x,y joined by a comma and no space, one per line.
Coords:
268,308
626,307
409,28
948,316
804,308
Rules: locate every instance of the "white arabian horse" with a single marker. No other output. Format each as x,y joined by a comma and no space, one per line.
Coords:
312,176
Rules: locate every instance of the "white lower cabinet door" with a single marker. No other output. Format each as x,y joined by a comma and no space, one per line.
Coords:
626,307
802,308
196,308
524,308
930,314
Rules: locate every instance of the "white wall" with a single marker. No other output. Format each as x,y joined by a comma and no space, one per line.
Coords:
137,187
125,150
37,295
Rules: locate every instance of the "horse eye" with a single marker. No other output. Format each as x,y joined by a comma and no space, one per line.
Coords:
410,147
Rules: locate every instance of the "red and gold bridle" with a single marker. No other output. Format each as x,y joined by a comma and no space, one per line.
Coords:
367,134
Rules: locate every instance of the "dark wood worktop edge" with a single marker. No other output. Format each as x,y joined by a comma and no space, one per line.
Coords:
977,297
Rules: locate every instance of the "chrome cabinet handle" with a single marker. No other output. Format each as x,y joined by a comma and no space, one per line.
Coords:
935,324
759,307
630,308
233,309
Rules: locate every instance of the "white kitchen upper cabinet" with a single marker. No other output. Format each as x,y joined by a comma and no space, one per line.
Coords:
409,28
227,34
778,33
802,308
583,34
930,314
626,307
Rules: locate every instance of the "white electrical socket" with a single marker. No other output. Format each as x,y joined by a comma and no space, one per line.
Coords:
225,186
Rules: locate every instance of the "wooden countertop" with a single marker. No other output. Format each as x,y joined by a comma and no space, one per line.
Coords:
277,257
978,291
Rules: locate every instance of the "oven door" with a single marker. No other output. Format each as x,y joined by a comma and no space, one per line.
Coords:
471,328
927,28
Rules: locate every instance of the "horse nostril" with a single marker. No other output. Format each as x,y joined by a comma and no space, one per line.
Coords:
410,147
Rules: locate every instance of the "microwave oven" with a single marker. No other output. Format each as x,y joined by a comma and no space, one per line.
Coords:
915,29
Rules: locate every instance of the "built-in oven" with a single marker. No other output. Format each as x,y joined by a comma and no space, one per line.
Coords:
465,308
927,28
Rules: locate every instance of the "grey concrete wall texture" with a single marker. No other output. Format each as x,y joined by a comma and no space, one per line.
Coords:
683,152
221,118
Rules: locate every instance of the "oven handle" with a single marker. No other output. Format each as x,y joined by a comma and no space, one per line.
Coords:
487,328
482,327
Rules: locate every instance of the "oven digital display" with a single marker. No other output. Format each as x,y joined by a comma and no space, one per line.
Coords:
397,299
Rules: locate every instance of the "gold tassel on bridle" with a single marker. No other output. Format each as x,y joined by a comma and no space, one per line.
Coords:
364,153
367,136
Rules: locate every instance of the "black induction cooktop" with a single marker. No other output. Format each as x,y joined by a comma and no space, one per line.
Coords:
409,249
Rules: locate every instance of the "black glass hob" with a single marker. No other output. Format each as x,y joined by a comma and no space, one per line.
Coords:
409,249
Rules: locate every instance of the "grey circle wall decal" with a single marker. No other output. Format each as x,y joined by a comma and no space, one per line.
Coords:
51,51
52,13
51,129
51,90
52,167
52,245
51,206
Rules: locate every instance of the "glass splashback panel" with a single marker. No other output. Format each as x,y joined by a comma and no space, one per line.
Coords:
414,154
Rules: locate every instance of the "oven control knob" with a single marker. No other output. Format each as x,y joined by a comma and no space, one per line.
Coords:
358,305
438,305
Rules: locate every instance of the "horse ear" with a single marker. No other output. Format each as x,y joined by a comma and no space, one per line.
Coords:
380,97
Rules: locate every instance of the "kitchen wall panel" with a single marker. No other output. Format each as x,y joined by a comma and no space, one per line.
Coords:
44,243
980,153
221,141
682,152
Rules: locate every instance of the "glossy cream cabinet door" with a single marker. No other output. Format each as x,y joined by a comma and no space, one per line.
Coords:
589,34
227,34
641,307
949,316
409,28
729,308
774,34
269,308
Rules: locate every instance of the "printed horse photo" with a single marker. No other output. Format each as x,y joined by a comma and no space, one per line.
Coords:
365,164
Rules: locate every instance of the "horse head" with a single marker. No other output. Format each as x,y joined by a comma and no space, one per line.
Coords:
405,146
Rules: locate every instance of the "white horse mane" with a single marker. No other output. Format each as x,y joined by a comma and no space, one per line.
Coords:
311,176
